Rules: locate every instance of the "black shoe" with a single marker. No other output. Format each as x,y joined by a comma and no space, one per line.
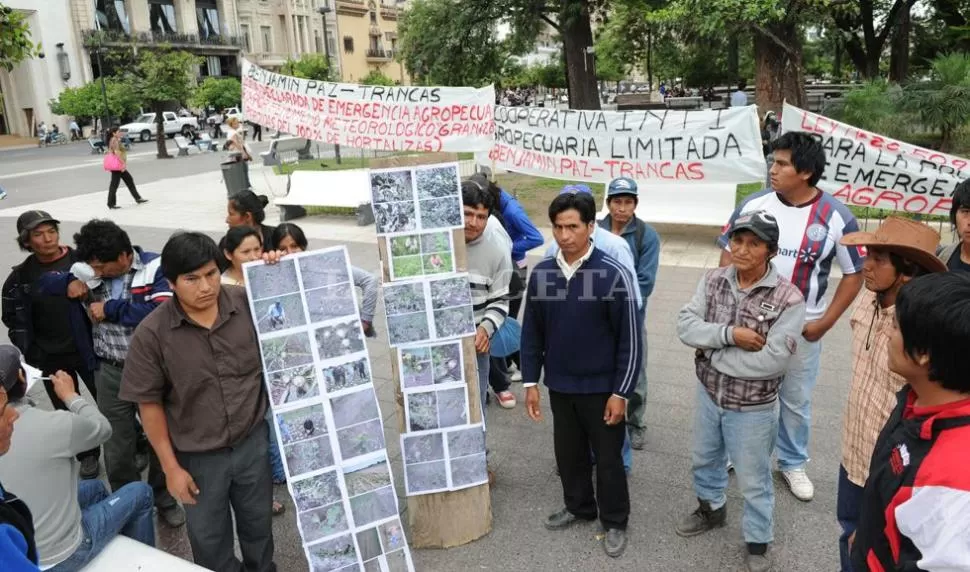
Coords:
757,559
637,437
141,461
141,201
90,468
174,515
113,207
560,520
702,520
615,542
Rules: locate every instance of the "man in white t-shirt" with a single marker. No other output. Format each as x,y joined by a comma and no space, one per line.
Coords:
739,98
811,223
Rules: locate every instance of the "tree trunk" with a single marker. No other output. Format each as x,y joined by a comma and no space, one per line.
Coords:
160,133
732,59
899,50
778,67
576,37
837,64
649,59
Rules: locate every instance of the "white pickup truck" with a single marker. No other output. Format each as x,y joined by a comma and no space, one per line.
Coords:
143,128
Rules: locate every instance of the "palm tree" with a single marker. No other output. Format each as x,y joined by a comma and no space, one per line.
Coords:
943,101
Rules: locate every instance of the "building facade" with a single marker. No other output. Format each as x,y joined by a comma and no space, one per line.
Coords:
274,30
367,39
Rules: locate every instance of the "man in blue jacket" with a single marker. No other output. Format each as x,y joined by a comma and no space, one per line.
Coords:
582,327
121,285
622,201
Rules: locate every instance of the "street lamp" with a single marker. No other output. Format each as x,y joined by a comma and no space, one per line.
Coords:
323,10
104,90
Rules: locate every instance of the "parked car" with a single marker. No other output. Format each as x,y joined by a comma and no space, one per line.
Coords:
143,127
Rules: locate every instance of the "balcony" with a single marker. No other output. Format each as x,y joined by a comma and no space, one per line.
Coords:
351,7
389,12
379,55
95,38
375,30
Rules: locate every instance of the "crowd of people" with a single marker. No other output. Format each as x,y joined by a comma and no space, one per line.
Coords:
170,336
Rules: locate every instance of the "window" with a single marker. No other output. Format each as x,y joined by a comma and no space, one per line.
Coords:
111,15
373,17
244,28
161,16
332,43
208,17
374,45
318,41
267,34
349,44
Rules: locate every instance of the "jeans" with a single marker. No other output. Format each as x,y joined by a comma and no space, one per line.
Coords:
795,395
484,361
275,459
127,511
847,510
748,437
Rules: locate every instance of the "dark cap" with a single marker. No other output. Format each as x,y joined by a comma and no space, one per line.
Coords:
32,219
9,367
761,223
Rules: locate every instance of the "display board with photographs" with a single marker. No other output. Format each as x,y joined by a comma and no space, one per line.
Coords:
444,460
421,254
409,199
325,409
428,309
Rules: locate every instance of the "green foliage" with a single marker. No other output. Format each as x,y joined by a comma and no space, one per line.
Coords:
15,44
377,77
943,102
87,101
309,66
873,106
160,77
552,74
217,92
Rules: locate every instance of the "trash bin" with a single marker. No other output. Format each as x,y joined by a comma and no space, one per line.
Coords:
236,176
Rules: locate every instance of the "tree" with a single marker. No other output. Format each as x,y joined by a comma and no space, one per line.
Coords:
309,66
15,44
163,76
87,101
377,77
943,102
217,92
864,43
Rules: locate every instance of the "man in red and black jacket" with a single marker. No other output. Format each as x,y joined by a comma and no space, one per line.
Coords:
916,504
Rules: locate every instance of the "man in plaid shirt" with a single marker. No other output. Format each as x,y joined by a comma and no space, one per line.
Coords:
744,322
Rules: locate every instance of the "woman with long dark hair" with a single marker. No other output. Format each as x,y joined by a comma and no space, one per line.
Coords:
116,149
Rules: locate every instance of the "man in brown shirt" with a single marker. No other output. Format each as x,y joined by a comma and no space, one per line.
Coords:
194,369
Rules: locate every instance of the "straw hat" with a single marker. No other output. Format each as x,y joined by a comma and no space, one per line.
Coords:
913,240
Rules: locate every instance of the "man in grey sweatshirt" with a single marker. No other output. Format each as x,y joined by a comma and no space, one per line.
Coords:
73,521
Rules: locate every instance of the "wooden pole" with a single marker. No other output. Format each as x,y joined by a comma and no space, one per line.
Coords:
451,518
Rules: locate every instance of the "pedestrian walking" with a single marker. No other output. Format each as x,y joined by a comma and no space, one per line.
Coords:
116,161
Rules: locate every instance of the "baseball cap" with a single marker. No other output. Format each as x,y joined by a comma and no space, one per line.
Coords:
761,223
621,186
9,366
574,189
32,219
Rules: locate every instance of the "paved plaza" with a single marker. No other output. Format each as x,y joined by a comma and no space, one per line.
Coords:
188,193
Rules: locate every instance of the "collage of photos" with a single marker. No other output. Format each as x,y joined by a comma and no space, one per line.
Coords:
421,198
357,419
371,492
306,442
435,364
422,254
446,460
436,409
384,548
428,309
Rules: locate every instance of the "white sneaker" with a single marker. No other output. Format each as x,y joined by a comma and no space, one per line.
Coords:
514,373
799,484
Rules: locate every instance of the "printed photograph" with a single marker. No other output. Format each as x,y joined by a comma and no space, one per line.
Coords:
422,448
442,213
450,292
358,440
397,561
436,242
395,217
438,182
340,339
373,565
467,471
373,506
332,554
354,408
446,360
317,491
416,368
392,536
465,442
271,280
279,313
366,477
426,477
369,542
324,269
391,186
406,267
438,263
408,245
452,407
331,302
300,424
289,385
422,411
287,351
454,322
407,328
323,521
347,375
309,455
404,298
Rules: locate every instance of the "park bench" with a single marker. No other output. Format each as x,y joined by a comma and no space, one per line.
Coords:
183,145
685,102
97,145
281,151
205,143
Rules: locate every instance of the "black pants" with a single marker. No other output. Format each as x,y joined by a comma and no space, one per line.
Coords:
239,478
117,177
498,374
578,426
74,366
257,132
515,304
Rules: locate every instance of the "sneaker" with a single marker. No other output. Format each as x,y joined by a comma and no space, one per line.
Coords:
702,520
174,516
560,520
756,558
90,468
141,201
505,399
799,484
514,373
615,542
638,437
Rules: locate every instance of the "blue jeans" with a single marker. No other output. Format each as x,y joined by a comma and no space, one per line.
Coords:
104,515
796,406
748,437
275,459
484,363
847,509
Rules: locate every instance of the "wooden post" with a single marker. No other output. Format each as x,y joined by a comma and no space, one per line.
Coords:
451,518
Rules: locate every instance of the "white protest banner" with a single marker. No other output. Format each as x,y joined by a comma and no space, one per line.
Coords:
722,145
869,170
399,118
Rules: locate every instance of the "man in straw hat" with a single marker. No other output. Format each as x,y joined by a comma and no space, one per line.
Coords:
899,251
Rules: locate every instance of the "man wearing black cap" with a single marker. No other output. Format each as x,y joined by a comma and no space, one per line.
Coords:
53,332
744,322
